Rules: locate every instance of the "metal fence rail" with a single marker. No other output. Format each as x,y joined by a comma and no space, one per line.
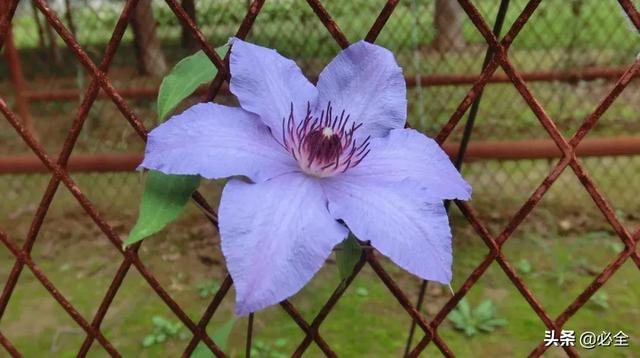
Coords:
101,81
499,150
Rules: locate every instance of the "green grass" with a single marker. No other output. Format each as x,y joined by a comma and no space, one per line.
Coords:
360,325
218,19
565,236
559,34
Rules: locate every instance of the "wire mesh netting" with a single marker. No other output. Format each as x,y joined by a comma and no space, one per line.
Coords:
564,67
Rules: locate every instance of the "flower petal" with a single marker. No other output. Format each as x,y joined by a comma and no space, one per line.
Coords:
275,236
267,83
398,220
407,153
216,141
365,80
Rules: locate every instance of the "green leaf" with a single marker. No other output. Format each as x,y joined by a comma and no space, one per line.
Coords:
208,288
184,78
348,256
161,337
484,311
470,331
600,299
174,328
464,308
220,336
616,246
473,321
202,351
280,342
524,266
222,333
148,341
486,327
162,201
497,322
160,321
455,317
362,291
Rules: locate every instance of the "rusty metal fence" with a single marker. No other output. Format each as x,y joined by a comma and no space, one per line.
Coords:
510,73
569,54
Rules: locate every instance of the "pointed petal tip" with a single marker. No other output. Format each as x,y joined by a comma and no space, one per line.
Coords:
464,193
366,80
444,279
442,275
410,154
469,191
266,83
269,263
241,145
399,223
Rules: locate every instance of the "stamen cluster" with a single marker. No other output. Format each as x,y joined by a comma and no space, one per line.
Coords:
323,145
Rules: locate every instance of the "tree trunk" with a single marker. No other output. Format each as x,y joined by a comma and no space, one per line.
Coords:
449,18
67,14
36,18
52,37
149,53
188,41
18,81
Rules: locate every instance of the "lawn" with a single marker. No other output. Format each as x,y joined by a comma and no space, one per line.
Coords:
557,251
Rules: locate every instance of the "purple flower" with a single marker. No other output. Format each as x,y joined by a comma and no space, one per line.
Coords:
315,155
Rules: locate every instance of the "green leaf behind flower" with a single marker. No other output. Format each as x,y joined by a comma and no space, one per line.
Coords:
220,337
348,255
162,201
184,78
165,195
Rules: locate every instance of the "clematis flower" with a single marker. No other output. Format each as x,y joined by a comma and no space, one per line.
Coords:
322,160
